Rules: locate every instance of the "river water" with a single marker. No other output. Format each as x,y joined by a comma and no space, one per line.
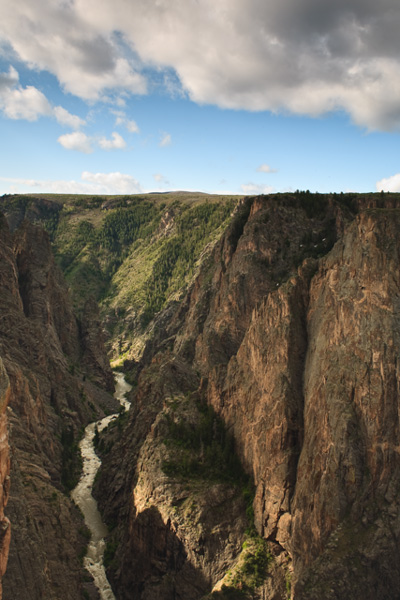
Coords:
82,496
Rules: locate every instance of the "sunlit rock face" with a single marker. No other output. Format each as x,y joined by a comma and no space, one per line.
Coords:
291,333
52,395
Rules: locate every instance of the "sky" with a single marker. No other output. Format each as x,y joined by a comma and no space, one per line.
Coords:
218,96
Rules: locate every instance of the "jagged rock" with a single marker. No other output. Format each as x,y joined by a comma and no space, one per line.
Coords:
50,399
295,341
5,528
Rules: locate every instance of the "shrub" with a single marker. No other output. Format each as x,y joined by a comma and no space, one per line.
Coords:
206,449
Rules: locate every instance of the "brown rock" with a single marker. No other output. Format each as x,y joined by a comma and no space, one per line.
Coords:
49,403
296,345
5,528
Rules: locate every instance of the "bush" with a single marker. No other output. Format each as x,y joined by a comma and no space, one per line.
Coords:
206,449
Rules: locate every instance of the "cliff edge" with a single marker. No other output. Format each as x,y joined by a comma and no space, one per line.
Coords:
290,334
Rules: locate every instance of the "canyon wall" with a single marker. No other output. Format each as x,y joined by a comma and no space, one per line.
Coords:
5,529
53,364
291,334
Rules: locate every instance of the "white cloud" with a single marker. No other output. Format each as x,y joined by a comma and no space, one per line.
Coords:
116,143
303,56
255,190
81,142
66,118
29,103
390,184
87,59
91,183
123,121
115,183
8,80
165,140
76,141
159,178
17,102
25,103
265,169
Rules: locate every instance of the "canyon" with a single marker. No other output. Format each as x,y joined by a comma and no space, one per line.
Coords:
260,456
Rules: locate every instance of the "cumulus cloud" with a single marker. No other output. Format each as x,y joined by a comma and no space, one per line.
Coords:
165,140
303,56
25,103
255,189
87,60
17,102
116,142
76,141
8,80
390,184
29,103
265,169
81,142
66,118
91,183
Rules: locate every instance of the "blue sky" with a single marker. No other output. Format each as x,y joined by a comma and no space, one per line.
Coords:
237,97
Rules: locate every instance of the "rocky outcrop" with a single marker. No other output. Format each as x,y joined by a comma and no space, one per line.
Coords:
5,529
350,458
291,334
51,397
174,537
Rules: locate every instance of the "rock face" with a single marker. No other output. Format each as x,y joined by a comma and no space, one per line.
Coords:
5,529
291,333
51,396
351,462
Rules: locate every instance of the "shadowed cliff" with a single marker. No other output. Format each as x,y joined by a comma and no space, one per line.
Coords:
54,365
291,334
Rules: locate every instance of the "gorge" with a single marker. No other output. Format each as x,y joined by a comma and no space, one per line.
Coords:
82,494
260,456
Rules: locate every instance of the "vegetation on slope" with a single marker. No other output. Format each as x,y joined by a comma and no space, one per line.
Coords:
199,448
132,253
135,254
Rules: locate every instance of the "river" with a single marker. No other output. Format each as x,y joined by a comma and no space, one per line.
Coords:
82,495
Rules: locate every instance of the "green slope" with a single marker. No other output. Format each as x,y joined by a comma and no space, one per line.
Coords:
134,254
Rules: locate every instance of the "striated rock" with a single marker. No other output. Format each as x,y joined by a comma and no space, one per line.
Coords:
262,401
51,397
291,332
350,456
5,528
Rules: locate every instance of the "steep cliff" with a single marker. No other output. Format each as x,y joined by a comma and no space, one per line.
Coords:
133,254
52,372
5,529
291,334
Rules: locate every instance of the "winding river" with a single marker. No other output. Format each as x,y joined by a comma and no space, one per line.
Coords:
82,495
